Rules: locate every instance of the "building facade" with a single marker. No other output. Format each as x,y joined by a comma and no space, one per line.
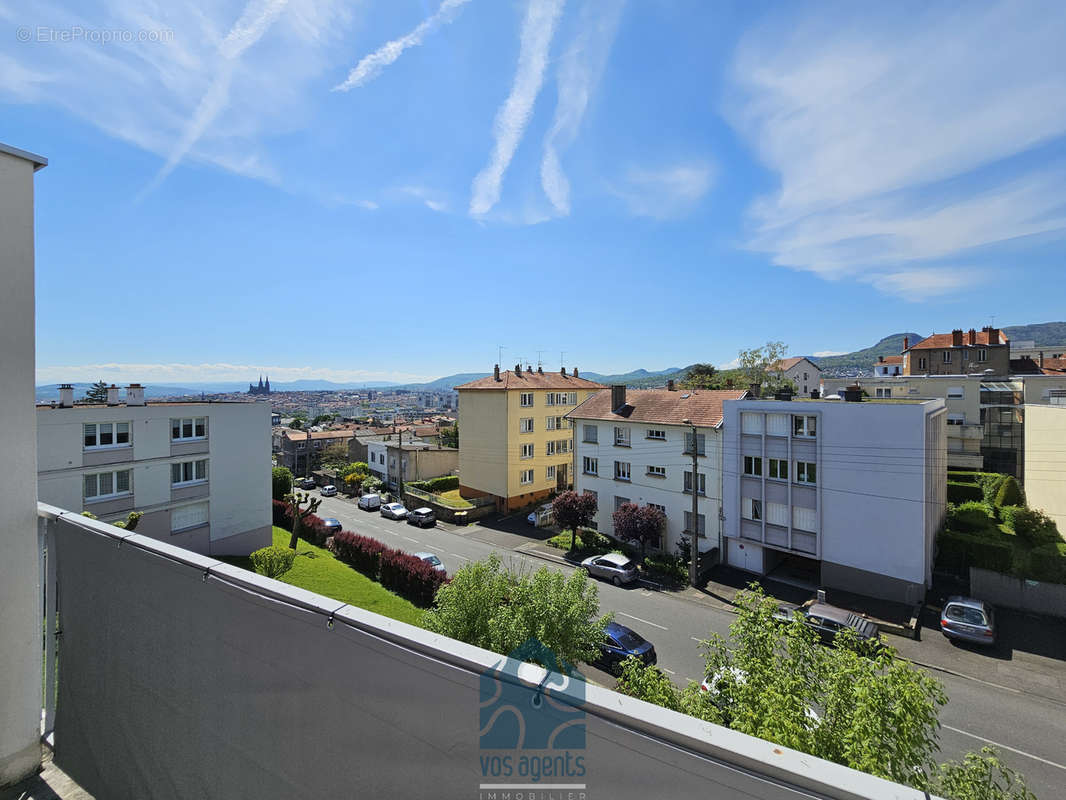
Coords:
1045,456
199,472
515,442
984,352
849,493
803,373
300,450
635,446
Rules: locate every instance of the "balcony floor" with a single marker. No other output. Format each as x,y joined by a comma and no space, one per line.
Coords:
51,783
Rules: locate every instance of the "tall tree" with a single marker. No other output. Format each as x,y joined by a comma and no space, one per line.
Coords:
449,437
280,482
643,524
299,513
757,362
701,376
572,511
97,393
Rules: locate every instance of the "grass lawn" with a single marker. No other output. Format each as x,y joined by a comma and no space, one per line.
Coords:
452,498
316,570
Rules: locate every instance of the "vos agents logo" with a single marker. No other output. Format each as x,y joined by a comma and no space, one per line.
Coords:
532,728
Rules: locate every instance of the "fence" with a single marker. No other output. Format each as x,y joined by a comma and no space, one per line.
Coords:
1005,590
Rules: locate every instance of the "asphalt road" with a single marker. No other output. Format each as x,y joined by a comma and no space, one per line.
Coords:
1028,729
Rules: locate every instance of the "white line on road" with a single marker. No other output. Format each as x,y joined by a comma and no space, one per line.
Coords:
669,670
1006,747
456,555
408,538
646,622
695,638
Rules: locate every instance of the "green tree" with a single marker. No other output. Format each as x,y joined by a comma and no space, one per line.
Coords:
980,776
296,424
334,456
572,511
499,609
323,418
299,513
701,376
449,437
97,393
280,482
756,365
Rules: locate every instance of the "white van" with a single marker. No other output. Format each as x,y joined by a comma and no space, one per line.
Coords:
370,502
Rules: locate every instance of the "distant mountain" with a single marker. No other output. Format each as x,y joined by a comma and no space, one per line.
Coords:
1044,334
630,377
861,361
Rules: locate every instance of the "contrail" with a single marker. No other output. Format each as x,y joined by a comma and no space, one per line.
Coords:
513,116
370,66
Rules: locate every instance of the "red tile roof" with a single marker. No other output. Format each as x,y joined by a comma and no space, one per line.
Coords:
938,341
298,436
531,380
892,360
789,363
702,407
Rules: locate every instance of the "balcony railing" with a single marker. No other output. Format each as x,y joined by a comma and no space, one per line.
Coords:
182,676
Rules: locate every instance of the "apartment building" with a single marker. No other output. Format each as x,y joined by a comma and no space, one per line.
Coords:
199,471
299,450
849,494
1045,460
515,441
958,353
803,373
635,446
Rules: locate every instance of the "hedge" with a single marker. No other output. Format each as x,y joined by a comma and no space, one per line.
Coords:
1010,493
1029,524
445,483
962,476
959,492
961,550
972,517
397,571
1048,562
312,530
990,483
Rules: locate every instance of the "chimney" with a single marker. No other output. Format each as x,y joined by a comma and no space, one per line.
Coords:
993,335
755,389
1041,359
134,395
66,395
880,359
670,385
906,342
956,337
112,395
562,371
540,370
973,337
496,372
618,397
575,372
529,368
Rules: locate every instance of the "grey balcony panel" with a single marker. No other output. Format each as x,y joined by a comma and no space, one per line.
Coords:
105,508
190,678
805,542
751,530
190,448
116,455
777,536
190,492
777,492
804,495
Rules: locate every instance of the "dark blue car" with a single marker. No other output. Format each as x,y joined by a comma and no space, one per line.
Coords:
332,525
619,644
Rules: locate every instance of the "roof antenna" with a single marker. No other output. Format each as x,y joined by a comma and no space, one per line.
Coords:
499,353
562,356
540,360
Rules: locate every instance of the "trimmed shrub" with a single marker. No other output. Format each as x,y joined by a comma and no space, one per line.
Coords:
282,515
422,486
1010,493
360,552
280,482
397,571
970,517
1029,524
990,483
963,492
961,550
1048,562
963,476
273,561
445,483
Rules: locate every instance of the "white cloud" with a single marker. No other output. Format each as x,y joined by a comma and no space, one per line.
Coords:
538,29
370,66
199,373
827,353
578,74
430,198
664,192
895,138
730,364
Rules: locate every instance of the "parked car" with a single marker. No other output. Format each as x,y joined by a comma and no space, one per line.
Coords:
306,483
619,644
615,567
968,620
393,511
432,560
545,511
370,502
332,525
827,621
329,491
422,517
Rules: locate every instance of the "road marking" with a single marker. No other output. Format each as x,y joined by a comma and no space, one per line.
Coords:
646,622
408,538
693,638
669,670
456,555
1006,747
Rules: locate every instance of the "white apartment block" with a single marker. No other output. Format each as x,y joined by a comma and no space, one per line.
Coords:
635,446
851,494
199,471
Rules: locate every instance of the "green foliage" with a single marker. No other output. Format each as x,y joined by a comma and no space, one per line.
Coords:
323,418
297,424
273,561
280,482
963,476
671,567
372,484
980,776
1030,524
755,364
1047,562
354,473
97,393
701,376
574,511
959,492
586,542
972,516
445,483
1010,493
990,483
498,609
89,514
130,523
334,456
959,550
449,437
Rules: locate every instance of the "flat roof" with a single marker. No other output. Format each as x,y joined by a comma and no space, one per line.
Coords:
149,403
38,161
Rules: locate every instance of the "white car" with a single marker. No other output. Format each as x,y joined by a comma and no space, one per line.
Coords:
615,567
370,502
329,491
393,511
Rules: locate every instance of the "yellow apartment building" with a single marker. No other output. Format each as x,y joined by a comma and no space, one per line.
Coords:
515,443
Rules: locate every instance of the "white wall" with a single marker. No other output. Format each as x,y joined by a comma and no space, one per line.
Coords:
796,373
375,451
20,611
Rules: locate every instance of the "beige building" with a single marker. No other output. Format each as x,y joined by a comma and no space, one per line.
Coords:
1045,456
515,442
959,353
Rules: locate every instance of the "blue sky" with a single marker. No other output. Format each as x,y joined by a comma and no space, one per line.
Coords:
390,190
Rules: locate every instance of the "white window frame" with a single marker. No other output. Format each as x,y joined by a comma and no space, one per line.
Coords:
590,466
549,472
622,470
982,354
922,362
774,466
701,444
658,434
802,472
549,399
882,392
525,477
621,436
527,450
595,431
525,400
946,356
571,398
656,472
197,467
194,437
753,466
98,433
807,427
701,525
113,479
525,425
620,501
956,419
549,448
751,509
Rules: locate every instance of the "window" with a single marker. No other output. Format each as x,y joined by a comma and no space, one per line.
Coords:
751,423
590,434
752,509
571,398
590,466
549,399
188,428
105,485
106,434
619,502
701,524
804,519
525,425
185,517
804,426
753,465
701,444
778,468
549,473
805,376
806,472
955,391
657,472
182,472
563,445
777,514
621,470
526,400
701,479
956,419
946,356
655,433
549,448
883,392
556,423
527,450
921,363
549,423
621,437
982,355
777,424
525,476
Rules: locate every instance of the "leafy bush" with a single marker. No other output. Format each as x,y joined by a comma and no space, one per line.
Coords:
959,492
963,476
280,482
1047,562
1029,524
961,550
273,561
1010,493
971,516
673,567
989,483
445,483
282,515
397,571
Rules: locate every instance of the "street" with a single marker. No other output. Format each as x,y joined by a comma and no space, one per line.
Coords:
1027,727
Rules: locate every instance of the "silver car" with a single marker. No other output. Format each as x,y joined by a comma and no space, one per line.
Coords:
615,567
394,511
432,560
968,620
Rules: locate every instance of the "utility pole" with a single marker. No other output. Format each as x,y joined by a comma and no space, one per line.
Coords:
694,550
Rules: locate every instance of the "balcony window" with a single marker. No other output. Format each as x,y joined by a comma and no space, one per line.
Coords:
590,466
590,434
621,470
753,466
101,435
106,485
806,472
188,428
621,437
184,473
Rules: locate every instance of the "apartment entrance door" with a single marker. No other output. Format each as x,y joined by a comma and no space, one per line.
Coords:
560,478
